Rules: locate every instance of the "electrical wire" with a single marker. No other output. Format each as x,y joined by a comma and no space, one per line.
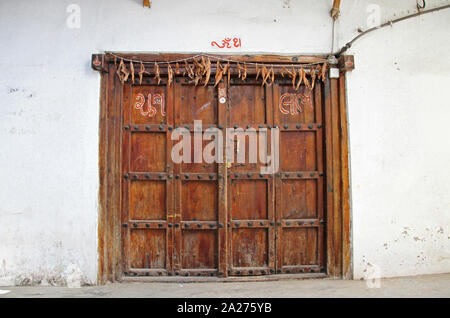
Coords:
389,23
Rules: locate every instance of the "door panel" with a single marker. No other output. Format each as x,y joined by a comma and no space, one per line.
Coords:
199,249
198,103
250,250
249,199
299,183
196,237
202,167
149,104
247,105
299,247
250,236
199,200
148,249
250,193
148,152
147,199
299,199
297,151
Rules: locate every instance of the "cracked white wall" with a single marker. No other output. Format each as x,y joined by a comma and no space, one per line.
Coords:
397,99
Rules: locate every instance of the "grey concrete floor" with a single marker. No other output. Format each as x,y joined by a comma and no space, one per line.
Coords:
416,286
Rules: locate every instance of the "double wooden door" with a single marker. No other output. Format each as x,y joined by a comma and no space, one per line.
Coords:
222,219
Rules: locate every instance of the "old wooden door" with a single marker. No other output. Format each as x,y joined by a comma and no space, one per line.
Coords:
276,220
222,219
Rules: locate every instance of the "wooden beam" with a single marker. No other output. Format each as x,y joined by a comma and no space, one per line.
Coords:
345,181
102,176
109,248
339,256
147,3
156,57
335,10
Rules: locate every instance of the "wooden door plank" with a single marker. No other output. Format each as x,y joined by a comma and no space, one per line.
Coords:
270,108
170,205
277,186
345,195
222,182
116,195
126,121
331,261
110,176
320,169
335,248
104,90
176,228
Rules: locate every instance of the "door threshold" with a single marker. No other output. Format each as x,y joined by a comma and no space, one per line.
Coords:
231,279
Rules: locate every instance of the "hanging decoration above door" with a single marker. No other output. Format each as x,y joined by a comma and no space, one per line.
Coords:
204,69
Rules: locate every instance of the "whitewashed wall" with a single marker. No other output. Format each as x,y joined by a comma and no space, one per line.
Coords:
399,107
49,108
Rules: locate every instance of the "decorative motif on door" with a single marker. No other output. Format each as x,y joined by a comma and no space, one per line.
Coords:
152,103
292,103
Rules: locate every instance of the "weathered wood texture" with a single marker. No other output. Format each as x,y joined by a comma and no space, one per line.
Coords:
337,181
109,249
168,57
299,186
159,218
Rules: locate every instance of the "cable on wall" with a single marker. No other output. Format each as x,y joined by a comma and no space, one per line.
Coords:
389,23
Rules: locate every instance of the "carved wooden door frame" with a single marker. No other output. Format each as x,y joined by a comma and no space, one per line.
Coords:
337,202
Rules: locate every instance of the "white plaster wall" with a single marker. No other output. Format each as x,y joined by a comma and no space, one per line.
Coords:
399,106
49,109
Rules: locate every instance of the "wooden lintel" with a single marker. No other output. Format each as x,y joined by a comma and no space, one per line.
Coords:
282,59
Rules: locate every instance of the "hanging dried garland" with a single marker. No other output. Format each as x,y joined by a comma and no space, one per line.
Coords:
199,68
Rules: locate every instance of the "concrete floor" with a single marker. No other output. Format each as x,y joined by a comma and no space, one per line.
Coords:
417,286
